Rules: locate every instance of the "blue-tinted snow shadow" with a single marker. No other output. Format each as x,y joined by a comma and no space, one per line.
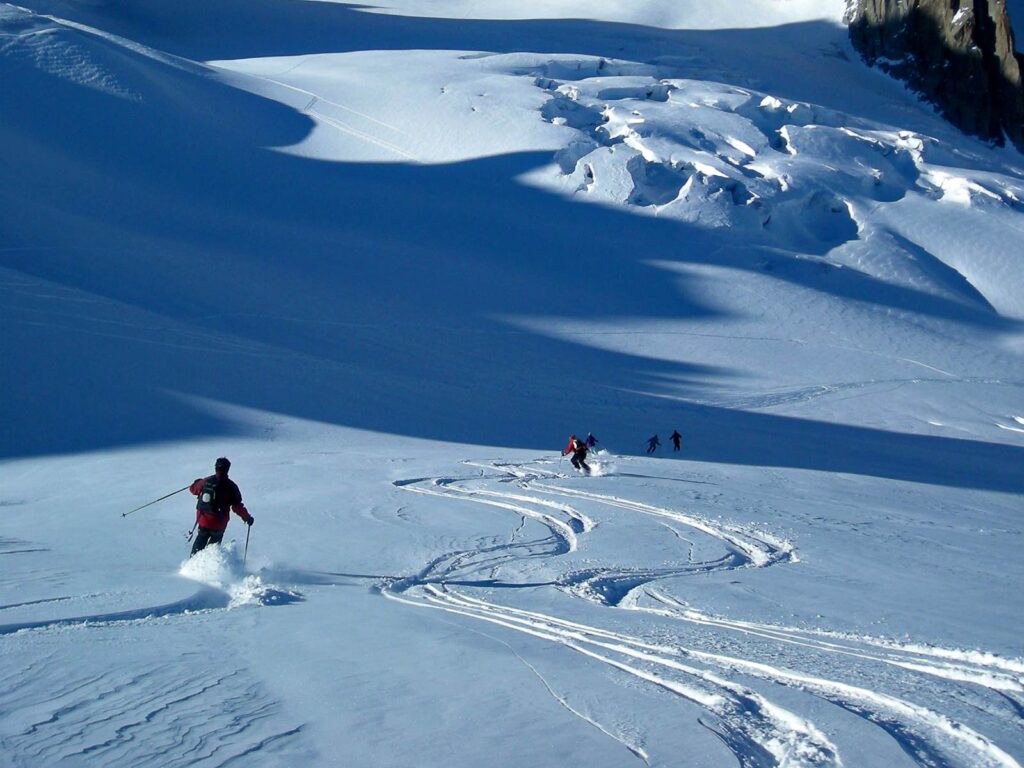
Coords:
184,257
205,599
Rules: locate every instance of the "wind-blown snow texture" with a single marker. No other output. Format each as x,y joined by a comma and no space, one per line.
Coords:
386,259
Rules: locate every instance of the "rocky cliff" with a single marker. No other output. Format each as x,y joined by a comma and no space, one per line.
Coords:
958,53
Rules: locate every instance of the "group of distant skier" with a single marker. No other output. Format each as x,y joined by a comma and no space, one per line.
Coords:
217,495
579,448
653,442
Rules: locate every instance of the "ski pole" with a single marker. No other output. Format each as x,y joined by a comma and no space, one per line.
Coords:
246,553
154,501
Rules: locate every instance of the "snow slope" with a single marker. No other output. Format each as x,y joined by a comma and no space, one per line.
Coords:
386,259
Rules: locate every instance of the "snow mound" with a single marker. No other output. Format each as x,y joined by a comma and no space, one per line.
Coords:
784,174
220,567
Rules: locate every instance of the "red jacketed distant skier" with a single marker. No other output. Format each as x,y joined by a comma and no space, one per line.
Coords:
217,495
578,449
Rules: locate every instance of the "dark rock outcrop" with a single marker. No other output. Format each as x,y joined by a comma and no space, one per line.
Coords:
958,53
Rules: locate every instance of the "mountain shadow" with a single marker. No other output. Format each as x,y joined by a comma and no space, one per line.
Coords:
160,254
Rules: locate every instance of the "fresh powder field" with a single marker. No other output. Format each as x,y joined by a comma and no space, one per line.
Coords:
387,258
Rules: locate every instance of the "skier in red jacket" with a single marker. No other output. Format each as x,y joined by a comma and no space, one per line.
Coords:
217,495
578,449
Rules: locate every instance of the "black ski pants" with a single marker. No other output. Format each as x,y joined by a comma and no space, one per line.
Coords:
206,536
578,461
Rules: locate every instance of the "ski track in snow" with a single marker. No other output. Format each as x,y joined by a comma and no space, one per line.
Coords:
759,732
738,169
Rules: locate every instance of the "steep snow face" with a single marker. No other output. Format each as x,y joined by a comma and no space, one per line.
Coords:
666,14
789,175
386,259
720,175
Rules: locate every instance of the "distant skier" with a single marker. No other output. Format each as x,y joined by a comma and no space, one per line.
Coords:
676,437
217,495
578,449
591,441
652,444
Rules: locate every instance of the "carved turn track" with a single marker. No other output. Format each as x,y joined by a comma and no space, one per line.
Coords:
759,731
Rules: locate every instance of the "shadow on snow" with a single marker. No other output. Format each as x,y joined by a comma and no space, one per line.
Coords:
159,251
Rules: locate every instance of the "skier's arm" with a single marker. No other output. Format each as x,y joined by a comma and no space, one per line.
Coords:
240,510
197,486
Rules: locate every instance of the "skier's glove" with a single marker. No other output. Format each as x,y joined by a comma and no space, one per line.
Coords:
251,520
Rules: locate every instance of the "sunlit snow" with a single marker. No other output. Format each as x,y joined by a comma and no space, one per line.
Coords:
386,259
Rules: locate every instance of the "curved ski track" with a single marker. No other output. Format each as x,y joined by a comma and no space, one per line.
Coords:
759,732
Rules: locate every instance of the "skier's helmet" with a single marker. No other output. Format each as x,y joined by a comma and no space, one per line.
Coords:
222,465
